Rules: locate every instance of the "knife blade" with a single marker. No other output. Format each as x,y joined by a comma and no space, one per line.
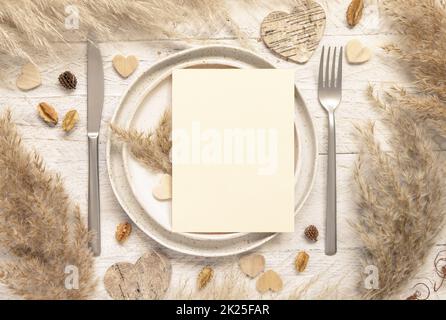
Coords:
95,89
95,102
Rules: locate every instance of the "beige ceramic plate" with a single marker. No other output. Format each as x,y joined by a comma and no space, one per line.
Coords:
153,87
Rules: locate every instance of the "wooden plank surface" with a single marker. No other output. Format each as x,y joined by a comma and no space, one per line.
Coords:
68,154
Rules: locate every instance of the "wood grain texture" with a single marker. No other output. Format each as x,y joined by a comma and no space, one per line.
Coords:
68,153
295,36
147,279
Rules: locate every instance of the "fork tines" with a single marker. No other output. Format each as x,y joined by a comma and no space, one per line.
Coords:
335,79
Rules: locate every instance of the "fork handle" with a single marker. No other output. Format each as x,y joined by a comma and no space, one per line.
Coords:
330,227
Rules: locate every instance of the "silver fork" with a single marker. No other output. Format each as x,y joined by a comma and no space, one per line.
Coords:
330,94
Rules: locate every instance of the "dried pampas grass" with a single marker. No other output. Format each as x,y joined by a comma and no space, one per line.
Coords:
309,291
233,285
26,25
40,228
30,27
228,287
423,41
423,49
402,192
153,148
401,201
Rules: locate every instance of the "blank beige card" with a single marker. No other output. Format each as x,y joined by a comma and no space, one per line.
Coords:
233,150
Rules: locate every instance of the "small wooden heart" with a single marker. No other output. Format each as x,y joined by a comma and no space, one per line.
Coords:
147,279
29,77
252,265
357,53
125,66
270,280
295,36
163,191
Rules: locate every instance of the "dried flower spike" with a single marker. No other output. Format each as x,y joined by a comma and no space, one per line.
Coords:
204,277
311,233
47,113
68,80
152,148
123,231
301,261
354,12
70,120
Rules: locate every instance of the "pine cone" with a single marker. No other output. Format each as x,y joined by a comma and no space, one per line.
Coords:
311,233
68,80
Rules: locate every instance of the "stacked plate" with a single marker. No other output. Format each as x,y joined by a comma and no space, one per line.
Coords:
141,108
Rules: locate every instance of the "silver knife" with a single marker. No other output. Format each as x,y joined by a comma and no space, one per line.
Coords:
95,96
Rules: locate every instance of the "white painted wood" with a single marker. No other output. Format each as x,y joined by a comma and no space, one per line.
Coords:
67,154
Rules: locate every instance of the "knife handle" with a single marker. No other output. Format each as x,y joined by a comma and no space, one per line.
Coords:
94,217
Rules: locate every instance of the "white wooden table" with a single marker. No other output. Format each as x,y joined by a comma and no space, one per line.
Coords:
68,154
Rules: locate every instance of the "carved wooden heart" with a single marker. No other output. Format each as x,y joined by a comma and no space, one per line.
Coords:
269,280
147,279
29,77
163,191
357,53
295,36
125,66
252,265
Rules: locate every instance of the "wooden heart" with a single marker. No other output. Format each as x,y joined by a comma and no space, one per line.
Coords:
163,191
357,53
29,77
252,265
147,279
269,280
295,36
125,66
